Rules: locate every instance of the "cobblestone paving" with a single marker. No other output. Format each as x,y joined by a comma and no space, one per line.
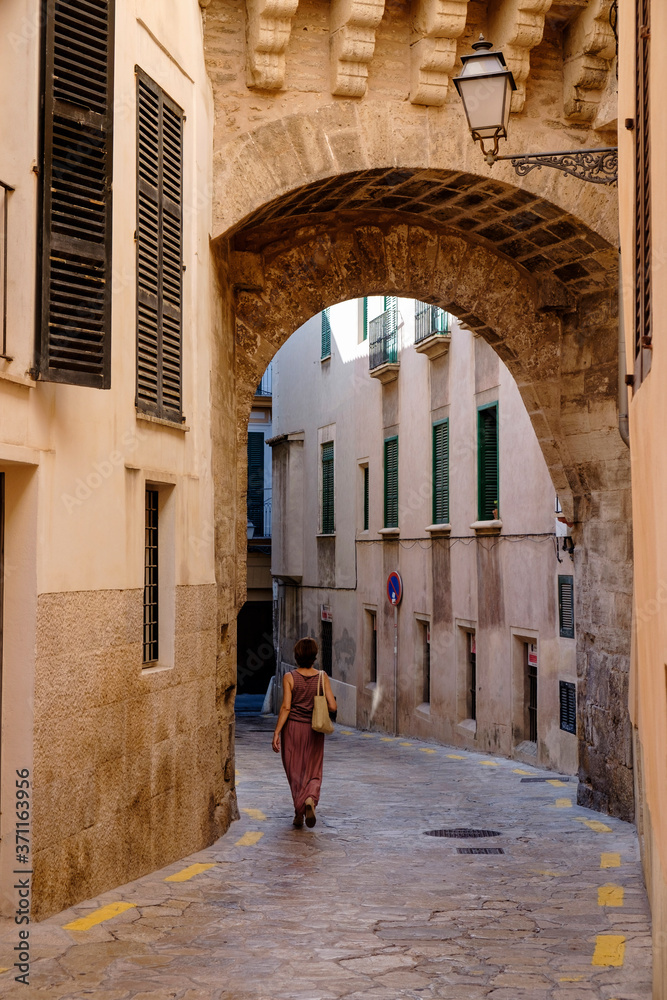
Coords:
364,906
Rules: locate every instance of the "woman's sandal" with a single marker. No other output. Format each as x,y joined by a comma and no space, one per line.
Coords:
311,818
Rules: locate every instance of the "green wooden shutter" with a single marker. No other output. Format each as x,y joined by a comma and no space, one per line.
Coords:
75,327
487,461
328,520
326,334
159,250
441,472
566,606
366,498
391,328
391,483
365,319
256,481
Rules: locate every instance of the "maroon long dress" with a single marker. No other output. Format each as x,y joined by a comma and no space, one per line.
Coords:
301,748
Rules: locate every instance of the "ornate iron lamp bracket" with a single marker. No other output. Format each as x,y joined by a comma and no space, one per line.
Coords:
599,166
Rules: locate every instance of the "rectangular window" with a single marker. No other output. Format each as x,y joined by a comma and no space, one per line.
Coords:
366,490
391,482
76,174
472,675
151,624
568,707
487,462
326,335
643,324
441,472
425,629
326,658
256,482
159,240
566,606
328,518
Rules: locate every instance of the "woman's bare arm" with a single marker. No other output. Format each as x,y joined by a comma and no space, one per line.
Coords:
284,711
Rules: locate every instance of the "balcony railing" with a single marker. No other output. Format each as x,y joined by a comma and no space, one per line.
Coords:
383,338
5,191
265,387
431,320
259,515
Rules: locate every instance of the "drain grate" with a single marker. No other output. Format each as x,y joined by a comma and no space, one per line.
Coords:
479,850
461,832
554,778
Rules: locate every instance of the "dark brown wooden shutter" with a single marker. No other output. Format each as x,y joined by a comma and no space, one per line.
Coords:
159,250
643,330
75,327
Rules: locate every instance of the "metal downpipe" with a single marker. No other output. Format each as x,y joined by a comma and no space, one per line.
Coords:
623,420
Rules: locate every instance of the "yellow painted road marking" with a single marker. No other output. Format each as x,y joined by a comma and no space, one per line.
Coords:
517,770
455,756
570,979
563,803
556,783
368,736
346,732
610,895
595,825
249,839
3,970
254,813
407,744
189,872
489,763
609,950
610,861
426,750
386,739
99,916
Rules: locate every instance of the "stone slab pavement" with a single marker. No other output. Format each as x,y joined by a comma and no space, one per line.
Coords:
365,906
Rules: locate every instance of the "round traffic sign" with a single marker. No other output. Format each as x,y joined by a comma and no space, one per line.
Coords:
394,588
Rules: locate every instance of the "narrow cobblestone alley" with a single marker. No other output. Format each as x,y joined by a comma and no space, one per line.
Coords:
365,905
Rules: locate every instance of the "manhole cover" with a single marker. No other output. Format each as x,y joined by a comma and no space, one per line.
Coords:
545,779
462,832
479,850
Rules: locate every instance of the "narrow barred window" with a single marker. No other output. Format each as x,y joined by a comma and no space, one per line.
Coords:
151,578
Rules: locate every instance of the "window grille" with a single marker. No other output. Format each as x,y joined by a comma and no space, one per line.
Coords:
568,707
441,472
150,654
327,647
159,251
487,462
374,647
326,335
426,663
391,482
643,325
566,606
75,325
472,676
531,676
328,518
256,481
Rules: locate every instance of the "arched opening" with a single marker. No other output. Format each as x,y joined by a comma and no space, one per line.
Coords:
535,282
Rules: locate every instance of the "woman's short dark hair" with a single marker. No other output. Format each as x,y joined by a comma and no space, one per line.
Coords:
305,652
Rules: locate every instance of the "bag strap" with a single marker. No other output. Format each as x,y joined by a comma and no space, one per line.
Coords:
320,678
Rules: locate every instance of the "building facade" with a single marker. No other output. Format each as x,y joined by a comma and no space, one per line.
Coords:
111,695
401,444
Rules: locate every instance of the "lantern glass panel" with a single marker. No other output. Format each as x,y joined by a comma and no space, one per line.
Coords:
487,102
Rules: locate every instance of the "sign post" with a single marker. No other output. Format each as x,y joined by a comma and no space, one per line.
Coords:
394,595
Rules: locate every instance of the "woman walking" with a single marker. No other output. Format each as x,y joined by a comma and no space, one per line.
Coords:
301,747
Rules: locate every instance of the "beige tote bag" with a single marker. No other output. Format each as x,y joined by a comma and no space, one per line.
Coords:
321,721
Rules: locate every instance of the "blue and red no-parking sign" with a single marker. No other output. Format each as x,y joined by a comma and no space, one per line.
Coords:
394,588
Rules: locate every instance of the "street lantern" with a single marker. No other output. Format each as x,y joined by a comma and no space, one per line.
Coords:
485,86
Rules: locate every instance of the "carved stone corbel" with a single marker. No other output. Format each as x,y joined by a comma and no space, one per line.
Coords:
516,27
352,25
436,25
588,54
268,30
